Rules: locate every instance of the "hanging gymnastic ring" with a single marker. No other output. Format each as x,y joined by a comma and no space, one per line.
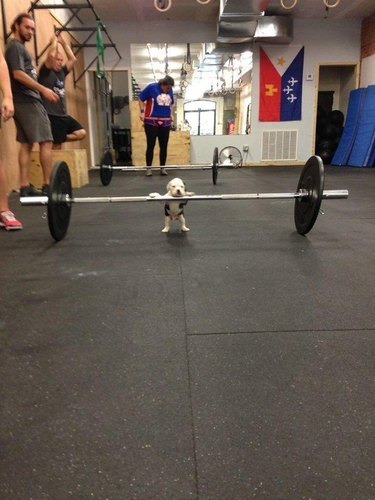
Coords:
331,6
294,3
166,3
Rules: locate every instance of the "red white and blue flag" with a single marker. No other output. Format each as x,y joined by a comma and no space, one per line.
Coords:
280,85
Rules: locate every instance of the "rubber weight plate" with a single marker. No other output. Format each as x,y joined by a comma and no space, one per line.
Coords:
58,208
106,171
306,210
215,161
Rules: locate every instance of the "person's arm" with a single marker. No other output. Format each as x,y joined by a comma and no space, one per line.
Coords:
172,114
32,84
7,108
51,52
172,110
142,99
141,109
69,53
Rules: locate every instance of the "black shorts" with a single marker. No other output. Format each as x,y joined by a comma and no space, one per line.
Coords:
62,126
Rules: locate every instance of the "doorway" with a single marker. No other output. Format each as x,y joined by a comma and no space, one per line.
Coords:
335,82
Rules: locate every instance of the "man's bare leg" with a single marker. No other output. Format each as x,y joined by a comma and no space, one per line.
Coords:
45,155
77,135
24,158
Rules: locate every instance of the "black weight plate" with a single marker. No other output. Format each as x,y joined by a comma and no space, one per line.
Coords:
106,171
306,210
215,161
58,208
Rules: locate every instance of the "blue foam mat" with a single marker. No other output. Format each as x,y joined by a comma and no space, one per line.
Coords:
355,105
363,146
371,162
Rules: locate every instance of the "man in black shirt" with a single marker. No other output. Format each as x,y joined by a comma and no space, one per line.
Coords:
52,75
30,116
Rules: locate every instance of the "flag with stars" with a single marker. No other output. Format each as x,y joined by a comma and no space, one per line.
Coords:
280,83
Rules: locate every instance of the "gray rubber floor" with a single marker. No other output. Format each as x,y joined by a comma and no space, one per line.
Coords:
232,362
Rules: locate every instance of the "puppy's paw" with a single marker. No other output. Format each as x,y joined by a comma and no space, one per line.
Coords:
154,195
190,193
165,230
185,229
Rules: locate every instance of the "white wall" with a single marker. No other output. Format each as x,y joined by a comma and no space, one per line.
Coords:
368,71
325,41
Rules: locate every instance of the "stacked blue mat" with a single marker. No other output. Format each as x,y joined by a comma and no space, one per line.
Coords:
357,144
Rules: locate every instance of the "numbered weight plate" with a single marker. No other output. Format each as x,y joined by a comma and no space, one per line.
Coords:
59,208
215,161
106,171
306,210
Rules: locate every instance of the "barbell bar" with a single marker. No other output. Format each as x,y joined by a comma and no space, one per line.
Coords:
301,194
106,167
308,197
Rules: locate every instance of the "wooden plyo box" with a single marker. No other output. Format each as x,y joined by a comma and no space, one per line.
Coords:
178,145
178,148
76,159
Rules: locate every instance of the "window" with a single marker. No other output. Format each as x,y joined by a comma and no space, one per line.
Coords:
200,117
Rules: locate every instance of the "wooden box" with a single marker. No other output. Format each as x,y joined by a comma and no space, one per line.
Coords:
178,149
76,160
178,145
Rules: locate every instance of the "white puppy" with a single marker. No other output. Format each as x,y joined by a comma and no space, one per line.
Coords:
174,210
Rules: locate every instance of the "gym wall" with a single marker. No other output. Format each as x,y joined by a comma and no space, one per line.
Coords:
368,51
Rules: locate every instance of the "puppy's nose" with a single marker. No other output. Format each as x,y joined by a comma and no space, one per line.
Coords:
178,191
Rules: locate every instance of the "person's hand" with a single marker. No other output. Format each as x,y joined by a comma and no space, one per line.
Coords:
50,95
142,116
60,38
7,108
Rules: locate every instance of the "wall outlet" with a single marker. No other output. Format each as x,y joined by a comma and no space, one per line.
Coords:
245,148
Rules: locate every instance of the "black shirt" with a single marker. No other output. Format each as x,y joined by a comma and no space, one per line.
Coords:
54,80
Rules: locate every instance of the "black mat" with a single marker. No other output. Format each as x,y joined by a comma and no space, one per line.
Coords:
231,362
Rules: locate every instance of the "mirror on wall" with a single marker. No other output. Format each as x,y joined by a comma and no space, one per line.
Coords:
113,115
212,84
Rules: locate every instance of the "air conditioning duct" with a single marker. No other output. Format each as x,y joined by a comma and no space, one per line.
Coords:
241,21
274,29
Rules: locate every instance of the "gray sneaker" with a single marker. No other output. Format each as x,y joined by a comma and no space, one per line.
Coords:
29,190
148,172
163,171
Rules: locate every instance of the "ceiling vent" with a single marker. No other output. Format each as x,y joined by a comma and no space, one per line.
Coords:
240,21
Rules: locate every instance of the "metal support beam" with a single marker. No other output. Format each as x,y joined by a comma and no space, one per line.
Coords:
60,6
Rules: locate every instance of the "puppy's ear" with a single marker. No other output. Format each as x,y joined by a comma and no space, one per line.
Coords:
169,186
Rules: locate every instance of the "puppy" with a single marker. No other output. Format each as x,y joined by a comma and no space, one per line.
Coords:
174,210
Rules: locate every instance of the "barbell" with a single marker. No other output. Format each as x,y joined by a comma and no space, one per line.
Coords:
106,167
308,197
